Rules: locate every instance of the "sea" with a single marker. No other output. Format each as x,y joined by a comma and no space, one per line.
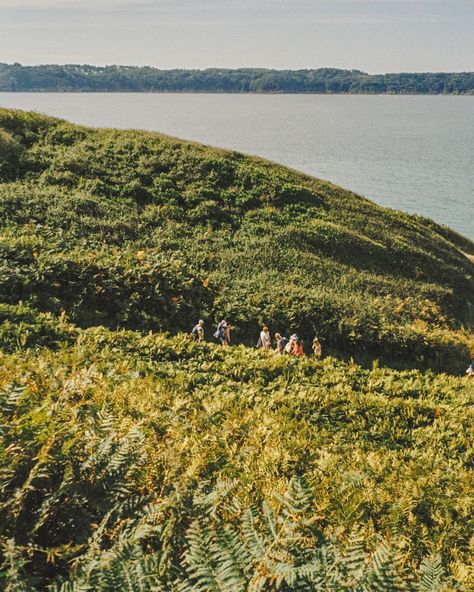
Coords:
410,153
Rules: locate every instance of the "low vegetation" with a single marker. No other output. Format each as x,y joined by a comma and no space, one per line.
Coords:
140,231
176,466
134,458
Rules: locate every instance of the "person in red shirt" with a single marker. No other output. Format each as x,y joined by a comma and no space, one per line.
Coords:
298,348
295,346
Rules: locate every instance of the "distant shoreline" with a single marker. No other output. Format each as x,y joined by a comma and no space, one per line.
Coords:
215,92
144,79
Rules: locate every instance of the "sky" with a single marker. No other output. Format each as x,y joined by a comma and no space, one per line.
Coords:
372,35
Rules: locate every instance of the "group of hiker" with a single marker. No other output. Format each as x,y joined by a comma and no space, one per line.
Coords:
292,346
222,333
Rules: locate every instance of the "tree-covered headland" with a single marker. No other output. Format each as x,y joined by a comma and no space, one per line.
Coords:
84,78
133,458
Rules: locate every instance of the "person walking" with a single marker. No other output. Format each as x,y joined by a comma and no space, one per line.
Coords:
198,331
291,344
281,343
265,341
298,348
223,333
470,370
317,349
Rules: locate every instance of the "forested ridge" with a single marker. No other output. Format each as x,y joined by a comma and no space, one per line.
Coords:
84,78
135,458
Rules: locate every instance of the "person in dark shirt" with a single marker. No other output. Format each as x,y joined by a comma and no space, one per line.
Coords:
198,331
223,333
281,343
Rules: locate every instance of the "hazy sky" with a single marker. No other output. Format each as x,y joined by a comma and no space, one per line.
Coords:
373,35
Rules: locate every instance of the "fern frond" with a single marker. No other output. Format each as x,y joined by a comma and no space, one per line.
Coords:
384,571
235,544
11,568
10,399
213,564
431,575
256,542
298,498
352,560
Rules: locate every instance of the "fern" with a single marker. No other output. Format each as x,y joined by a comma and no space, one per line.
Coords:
236,547
431,575
80,487
111,456
209,563
124,566
261,552
9,401
298,498
11,568
384,571
256,541
352,560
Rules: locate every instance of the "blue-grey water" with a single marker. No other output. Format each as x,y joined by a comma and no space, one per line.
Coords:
412,153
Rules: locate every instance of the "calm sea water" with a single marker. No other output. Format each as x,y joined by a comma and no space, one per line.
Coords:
410,153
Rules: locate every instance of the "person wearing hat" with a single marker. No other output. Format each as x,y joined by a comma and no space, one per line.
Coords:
198,331
290,346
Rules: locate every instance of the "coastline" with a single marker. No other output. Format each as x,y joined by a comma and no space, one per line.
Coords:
225,92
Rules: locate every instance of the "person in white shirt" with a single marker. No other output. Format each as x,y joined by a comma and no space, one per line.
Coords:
265,340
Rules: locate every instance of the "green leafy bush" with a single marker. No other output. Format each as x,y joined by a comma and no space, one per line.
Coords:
22,328
10,152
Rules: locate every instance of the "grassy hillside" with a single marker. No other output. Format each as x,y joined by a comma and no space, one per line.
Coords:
122,454
134,459
137,230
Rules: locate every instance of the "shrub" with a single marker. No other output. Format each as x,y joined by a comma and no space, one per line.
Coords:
22,327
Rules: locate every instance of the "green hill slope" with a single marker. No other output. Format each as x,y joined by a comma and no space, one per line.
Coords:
132,459
142,231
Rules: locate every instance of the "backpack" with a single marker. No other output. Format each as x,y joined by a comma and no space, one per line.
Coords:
259,342
283,343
